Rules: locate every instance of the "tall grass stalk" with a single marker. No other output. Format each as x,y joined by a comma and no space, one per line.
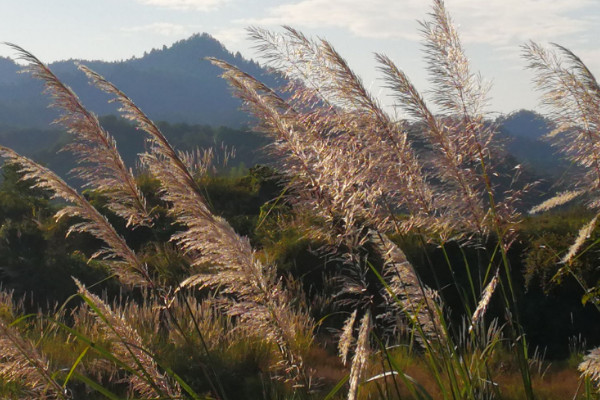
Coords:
362,176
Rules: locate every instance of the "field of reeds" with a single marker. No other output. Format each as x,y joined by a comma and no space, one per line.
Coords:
193,308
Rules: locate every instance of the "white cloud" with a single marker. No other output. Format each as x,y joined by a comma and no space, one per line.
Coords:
161,28
232,38
199,5
496,22
373,19
499,22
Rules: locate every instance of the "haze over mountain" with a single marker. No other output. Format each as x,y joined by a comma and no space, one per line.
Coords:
174,84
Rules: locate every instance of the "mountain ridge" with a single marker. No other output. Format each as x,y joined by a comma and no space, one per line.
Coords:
174,84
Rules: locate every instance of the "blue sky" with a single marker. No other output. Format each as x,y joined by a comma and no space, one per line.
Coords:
492,31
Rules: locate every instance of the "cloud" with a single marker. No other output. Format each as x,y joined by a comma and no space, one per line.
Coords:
198,5
161,28
232,38
372,19
496,22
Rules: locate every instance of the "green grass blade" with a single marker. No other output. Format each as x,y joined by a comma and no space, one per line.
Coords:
96,386
75,364
337,387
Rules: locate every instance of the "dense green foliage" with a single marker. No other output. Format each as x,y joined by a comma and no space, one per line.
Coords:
38,260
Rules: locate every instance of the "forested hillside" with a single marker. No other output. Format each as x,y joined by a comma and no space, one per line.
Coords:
174,84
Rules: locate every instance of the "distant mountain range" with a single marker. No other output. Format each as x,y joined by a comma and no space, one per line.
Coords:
174,84
177,85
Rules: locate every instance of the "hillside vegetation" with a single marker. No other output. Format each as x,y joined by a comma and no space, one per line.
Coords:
378,258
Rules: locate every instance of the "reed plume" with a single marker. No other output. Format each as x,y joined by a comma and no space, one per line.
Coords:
361,354
260,298
557,200
406,293
571,94
584,234
590,366
325,86
455,164
484,302
21,361
121,259
101,166
347,336
129,348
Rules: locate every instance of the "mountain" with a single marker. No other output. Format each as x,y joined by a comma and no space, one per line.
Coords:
524,131
173,84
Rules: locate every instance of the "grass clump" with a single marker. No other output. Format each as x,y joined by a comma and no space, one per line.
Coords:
213,304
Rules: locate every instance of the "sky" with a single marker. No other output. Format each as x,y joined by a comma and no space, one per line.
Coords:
492,32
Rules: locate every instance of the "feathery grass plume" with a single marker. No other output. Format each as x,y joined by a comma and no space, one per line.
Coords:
455,160
22,363
558,200
262,299
456,89
361,354
406,293
325,178
572,96
584,234
346,337
209,237
462,137
348,113
121,259
264,306
101,166
128,346
484,302
590,366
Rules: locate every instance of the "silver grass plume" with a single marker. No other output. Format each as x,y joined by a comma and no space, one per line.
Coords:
484,302
558,200
571,94
456,90
128,346
207,235
101,166
21,362
584,234
351,116
590,367
361,354
327,178
346,338
455,156
324,174
462,97
261,299
121,259
406,293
